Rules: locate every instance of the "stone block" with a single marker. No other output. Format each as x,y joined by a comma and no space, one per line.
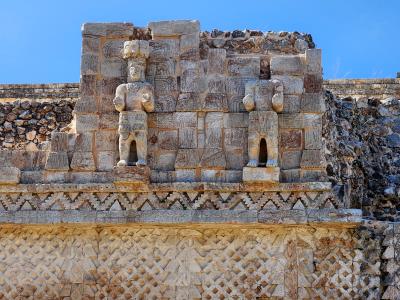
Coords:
313,159
57,161
292,175
208,175
236,120
109,121
89,64
83,161
313,138
160,50
187,137
233,176
189,42
313,61
84,142
108,29
213,158
90,44
313,83
162,120
59,141
193,82
235,138
291,84
313,103
115,67
312,175
106,140
188,158
86,105
165,103
288,121
131,174
235,159
216,61
162,176
9,175
106,160
55,177
291,103
164,68
216,84
291,139
109,85
287,65
113,49
88,86
215,102
165,160
173,28
185,175
185,119
290,160
168,139
166,86
268,174
213,129
189,102
87,122
244,66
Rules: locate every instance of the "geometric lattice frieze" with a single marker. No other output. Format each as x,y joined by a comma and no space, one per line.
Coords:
136,262
106,201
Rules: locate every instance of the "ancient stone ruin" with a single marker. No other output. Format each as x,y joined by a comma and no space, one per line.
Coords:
199,165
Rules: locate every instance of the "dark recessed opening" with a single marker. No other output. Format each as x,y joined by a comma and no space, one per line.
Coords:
263,156
133,154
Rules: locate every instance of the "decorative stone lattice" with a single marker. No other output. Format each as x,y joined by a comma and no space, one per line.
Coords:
180,263
166,200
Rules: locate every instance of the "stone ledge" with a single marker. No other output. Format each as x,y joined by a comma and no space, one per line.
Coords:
345,217
167,187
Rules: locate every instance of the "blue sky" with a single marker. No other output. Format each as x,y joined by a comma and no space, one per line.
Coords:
40,40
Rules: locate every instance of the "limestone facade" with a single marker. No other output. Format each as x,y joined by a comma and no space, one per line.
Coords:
198,221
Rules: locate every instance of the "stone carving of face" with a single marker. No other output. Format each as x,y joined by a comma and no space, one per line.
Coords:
135,71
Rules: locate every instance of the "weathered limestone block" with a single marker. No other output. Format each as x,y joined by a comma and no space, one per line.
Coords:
189,102
114,67
9,175
291,175
313,138
290,160
215,102
86,122
162,50
287,65
291,139
105,160
313,103
174,28
313,83
292,103
216,61
236,120
268,174
90,64
131,174
107,29
83,161
313,61
313,159
291,84
248,67
213,158
213,129
188,158
186,175
57,159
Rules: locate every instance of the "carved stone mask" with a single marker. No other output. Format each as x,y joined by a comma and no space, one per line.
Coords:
135,71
